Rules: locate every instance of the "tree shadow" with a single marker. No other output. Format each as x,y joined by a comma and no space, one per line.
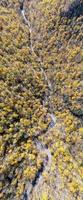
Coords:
75,9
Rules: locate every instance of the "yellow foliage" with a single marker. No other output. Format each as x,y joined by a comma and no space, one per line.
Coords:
44,196
73,186
81,129
27,100
29,172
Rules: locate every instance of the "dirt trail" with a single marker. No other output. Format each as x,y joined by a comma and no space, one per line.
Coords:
45,167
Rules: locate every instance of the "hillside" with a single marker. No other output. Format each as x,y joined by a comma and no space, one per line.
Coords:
41,99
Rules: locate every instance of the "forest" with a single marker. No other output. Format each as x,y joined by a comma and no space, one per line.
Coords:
41,99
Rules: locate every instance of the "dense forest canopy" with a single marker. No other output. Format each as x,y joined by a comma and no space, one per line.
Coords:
41,99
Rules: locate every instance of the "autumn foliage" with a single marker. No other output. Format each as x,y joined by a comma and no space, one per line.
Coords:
57,40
